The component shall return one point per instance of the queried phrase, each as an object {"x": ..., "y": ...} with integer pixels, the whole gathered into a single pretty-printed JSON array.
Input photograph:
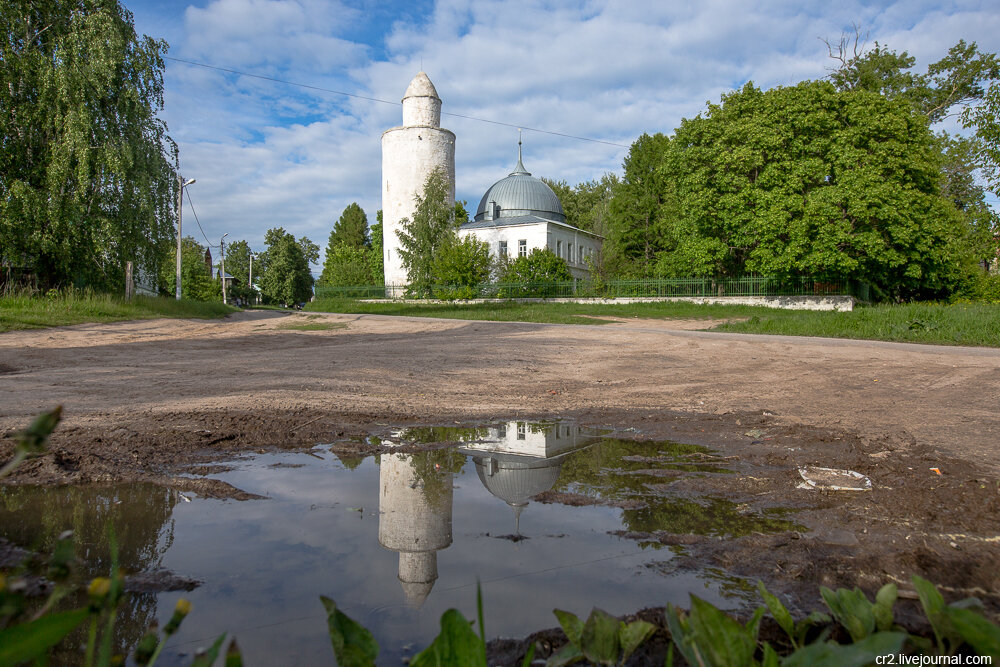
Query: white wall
[{"x": 540, "y": 235}]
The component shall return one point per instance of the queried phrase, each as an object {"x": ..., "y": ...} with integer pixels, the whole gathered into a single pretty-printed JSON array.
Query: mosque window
[{"x": 522, "y": 247}]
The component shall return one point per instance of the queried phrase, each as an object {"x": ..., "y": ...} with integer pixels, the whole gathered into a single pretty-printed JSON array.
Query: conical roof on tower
[{"x": 421, "y": 86}]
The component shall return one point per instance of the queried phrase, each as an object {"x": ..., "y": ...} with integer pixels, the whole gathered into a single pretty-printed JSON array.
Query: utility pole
[
  {"x": 222, "y": 246},
  {"x": 250, "y": 282},
  {"x": 180, "y": 205}
]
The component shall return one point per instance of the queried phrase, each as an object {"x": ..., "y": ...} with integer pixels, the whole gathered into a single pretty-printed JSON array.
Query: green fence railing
[{"x": 674, "y": 287}]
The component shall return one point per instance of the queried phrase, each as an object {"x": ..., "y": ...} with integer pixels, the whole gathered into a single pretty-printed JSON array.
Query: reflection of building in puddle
[
  {"x": 414, "y": 518},
  {"x": 514, "y": 461},
  {"x": 521, "y": 459}
]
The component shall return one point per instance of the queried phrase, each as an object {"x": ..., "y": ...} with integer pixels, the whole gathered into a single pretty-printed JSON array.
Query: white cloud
[{"x": 268, "y": 154}]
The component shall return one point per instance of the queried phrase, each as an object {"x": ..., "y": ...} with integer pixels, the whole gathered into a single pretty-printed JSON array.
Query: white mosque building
[{"x": 516, "y": 214}]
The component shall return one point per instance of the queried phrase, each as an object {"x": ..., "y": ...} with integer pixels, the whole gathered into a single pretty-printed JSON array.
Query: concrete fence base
[{"x": 811, "y": 302}]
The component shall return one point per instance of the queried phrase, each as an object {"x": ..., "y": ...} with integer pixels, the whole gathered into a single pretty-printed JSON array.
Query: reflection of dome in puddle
[
  {"x": 412, "y": 523},
  {"x": 516, "y": 479}
]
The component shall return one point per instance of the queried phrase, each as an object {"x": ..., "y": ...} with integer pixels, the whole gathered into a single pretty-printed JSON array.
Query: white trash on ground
[{"x": 831, "y": 479}]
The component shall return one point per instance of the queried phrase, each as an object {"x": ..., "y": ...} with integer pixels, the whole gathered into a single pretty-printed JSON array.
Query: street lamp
[
  {"x": 181, "y": 184},
  {"x": 222, "y": 247},
  {"x": 250, "y": 282}
]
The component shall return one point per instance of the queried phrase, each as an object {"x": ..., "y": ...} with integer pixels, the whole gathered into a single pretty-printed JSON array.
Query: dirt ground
[{"x": 142, "y": 398}]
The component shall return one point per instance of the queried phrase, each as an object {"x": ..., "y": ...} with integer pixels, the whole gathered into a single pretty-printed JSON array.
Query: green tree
[
  {"x": 460, "y": 265},
  {"x": 541, "y": 265},
  {"x": 376, "y": 258},
  {"x": 238, "y": 261},
  {"x": 346, "y": 266},
  {"x": 309, "y": 250},
  {"x": 197, "y": 282},
  {"x": 286, "y": 278},
  {"x": 351, "y": 229},
  {"x": 955, "y": 80},
  {"x": 86, "y": 176},
  {"x": 984, "y": 119},
  {"x": 809, "y": 180},
  {"x": 586, "y": 204},
  {"x": 433, "y": 224},
  {"x": 636, "y": 208}
]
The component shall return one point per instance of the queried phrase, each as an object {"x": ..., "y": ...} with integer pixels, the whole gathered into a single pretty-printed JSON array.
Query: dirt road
[{"x": 142, "y": 397}]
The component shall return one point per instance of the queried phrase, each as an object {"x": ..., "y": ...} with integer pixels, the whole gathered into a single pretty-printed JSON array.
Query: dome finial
[{"x": 519, "y": 169}]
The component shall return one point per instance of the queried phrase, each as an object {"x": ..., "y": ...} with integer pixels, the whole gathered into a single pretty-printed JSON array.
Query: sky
[{"x": 267, "y": 154}]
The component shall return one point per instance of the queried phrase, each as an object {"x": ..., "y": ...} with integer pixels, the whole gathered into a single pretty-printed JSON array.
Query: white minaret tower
[{"x": 409, "y": 154}]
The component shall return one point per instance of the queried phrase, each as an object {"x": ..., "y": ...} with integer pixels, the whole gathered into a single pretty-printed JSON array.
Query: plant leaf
[
  {"x": 779, "y": 612},
  {"x": 632, "y": 635},
  {"x": 353, "y": 644},
  {"x": 859, "y": 654},
  {"x": 208, "y": 659},
  {"x": 567, "y": 655},
  {"x": 680, "y": 633},
  {"x": 27, "y": 641},
  {"x": 976, "y": 630},
  {"x": 457, "y": 644},
  {"x": 885, "y": 600},
  {"x": 933, "y": 604},
  {"x": 770, "y": 657},
  {"x": 529, "y": 656},
  {"x": 571, "y": 625},
  {"x": 852, "y": 610},
  {"x": 599, "y": 640},
  {"x": 718, "y": 638}
]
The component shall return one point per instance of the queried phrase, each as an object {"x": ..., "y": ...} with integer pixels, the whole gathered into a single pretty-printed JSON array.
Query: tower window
[{"x": 522, "y": 247}]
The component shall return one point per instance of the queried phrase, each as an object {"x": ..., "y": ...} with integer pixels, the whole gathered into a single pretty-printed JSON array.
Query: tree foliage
[
  {"x": 586, "y": 204},
  {"x": 86, "y": 182},
  {"x": 347, "y": 265},
  {"x": 197, "y": 282},
  {"x": 377, "y": 265},
  {"x": 639, "y": 206},
  {"x": 809, "y": 180},
  {"x": 432, "y": 226},
  {"x": 351, "y": 229},
  {"x": 541, "y": 265},
  {"x": 238, "y": 262},
  {"x": 462, "y": 264},
  {"x": 286, "y": 278}
]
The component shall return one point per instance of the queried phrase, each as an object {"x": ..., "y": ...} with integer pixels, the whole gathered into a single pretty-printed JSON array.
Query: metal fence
[{"x": 580, "y": 288}]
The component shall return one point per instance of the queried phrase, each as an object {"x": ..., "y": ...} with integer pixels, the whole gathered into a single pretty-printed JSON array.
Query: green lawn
[
  {"x": 957, "y": 324},
  {"x": 34, "y": 312},
  {"x": 954, "y": 324}
]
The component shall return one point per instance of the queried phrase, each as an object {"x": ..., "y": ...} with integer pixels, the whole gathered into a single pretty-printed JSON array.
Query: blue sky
[{"x": 267, "y": 154}]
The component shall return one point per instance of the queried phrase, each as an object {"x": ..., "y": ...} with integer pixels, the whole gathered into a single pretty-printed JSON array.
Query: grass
[
  {"x": 312, "y": 326},
  {"x": 543, "y": 312},
  {"x": 942, "y": 324},
  {"x": 26, "y": 311}
]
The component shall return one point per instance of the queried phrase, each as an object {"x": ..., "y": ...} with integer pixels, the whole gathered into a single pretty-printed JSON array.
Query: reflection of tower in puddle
[
  {"x": 414, "y": 519},
  {"x": 522, "y": 460}
]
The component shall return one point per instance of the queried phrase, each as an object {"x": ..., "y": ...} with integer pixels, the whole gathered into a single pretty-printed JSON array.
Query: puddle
[{"x": 398, "y": 539}]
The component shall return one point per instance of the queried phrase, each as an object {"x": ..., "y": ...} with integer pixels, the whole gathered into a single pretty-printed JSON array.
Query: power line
[
  {"x": 381, "y": 101},
  {"x": 191, "y": 203}
]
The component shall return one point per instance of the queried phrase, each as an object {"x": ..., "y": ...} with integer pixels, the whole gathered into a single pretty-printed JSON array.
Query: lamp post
[
  {"x": 181, "y": 184},
  {"x": 250, "y": 282},
  {"x": 222, "y": 246}
]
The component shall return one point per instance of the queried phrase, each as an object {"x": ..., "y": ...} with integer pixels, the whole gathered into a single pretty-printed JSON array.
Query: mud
[{"x": 162, "y": 400}]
